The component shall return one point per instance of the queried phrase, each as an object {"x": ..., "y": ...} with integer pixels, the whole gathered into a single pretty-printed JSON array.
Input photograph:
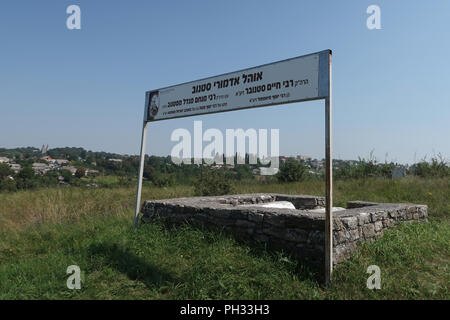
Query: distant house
[
  {"x": 71, "y": 169},
  {"x": 40, "y": 168},
  {"x": 304, "y": 158},
  {"x": 4, "y": 160},
  {"x": 91, "y": 172},
  {"x": 47, "y": 158},
  {"x": 317, "y": 164},
  {"x": 61, "y": 161},
  {"x": 115, "y": 160}
]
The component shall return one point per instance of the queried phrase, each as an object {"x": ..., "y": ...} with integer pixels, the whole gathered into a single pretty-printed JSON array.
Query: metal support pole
[
  {"x": 141, "y": 172},
  {"x": 329, "y": 186}
]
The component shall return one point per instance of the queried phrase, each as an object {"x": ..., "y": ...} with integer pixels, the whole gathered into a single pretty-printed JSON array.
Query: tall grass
[{"x": 44, "y": 231}]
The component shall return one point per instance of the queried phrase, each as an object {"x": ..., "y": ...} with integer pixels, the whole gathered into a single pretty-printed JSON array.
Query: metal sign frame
[{"x": 324, "y": 92}]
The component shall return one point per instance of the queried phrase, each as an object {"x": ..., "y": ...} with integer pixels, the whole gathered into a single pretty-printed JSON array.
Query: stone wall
[{"x": 299, "y": 231}]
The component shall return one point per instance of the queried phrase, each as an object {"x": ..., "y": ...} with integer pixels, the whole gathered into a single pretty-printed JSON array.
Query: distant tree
[
  {"x": 6, "y": 184},
  {"x": 163, "y": 180},
  {"x": 66, "y": 174},
  {"x": 291, "y": 170},
  {"x": 5, "y": 171},
  {"x": 27, "y": 173},
  {"x": 26, "y": 179},
  {"x": 438, "y": 167},
  {"x": 148, "y": 172},
  {"x": 243, "y": 171},
  {"x": 80, "y": 173}
]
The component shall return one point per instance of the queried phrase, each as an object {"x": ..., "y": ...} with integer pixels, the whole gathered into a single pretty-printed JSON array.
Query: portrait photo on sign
[{"x": 153, "y": 105}]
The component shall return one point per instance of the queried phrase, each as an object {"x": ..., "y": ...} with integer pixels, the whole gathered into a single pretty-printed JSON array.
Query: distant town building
[
  {"x": 47, "y": 158},
  {"x": 91, "y": 172},
  {"x": 40, "y": 168},
  {"x": 4, "y": 160},
  {"x": 115, "y": 160},
  {"x": 71, "y": 169},
  {"x": 304, "y": 158},
  {"x": 317, "y": 164},
  {"x": 61, "y": 161}
]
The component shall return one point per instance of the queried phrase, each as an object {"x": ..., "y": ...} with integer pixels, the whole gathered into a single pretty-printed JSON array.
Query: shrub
[
  {"x": 364, "y": 168},
  {"x": 6, "y": 183},
  {"x": 125, "y": 181},
  {"x": 291, "y": 170},
  {"x": 26, "y": 179},
  {"x": 243, "y": 171},
  {"x": 80, "y": 173},
  {"x": 5, "y": 171},
  {"x": 163, "y": 180},
  {"x": 436, "y": 168},
  {"x": 66, "y": 174},
  {"x": 27, "y": 173},
  {"x": 213, "y": 182}
]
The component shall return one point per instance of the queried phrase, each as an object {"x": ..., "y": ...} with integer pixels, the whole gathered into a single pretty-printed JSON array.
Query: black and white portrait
[{"x": 153, "y": 105}]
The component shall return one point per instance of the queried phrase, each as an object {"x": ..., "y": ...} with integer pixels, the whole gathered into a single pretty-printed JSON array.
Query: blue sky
[{"x": 86, "y": 87}]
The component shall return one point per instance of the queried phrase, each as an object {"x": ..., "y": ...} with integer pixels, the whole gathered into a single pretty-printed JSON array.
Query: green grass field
[{"x": 45, "y": 231}]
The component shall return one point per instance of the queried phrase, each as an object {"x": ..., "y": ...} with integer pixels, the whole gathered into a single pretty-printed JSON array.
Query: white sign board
[{"x": 293, "y": 80}]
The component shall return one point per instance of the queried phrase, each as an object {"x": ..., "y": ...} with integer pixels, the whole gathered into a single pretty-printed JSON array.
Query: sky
[{"x": 86, "y": 88}]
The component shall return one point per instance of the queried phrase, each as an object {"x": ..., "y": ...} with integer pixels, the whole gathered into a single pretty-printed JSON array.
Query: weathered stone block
[
  {"x": 354, "y": 234},
  {"x": 255, "y": 217},
  {"x": 368, "y": 231},
  {"x": 350, "y": 222},
  {"x": 363, "y": 218},
  {"x": 377, "y": 215},
  {"x": 378, "y": 226},
  {"x": 274, "y": 220},
  {"x": 244, "y": 223},
  {"x": 296, "y": 235},
  {"x": 337, "y": 224},
  {"x": 388, "y": 223},
  {"x": 274, "y": 232}
]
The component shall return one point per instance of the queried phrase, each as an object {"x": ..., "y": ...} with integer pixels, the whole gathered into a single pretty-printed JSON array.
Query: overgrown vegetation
[
  {"x": 212, "y": 182},
  {"x": 364, "y": 169},
  {"x": 438, "y": 167},
  {"x": 46, "y": 230},
  {"x": 291, "y": 170},
  {"x": 121, "y": 170}
]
